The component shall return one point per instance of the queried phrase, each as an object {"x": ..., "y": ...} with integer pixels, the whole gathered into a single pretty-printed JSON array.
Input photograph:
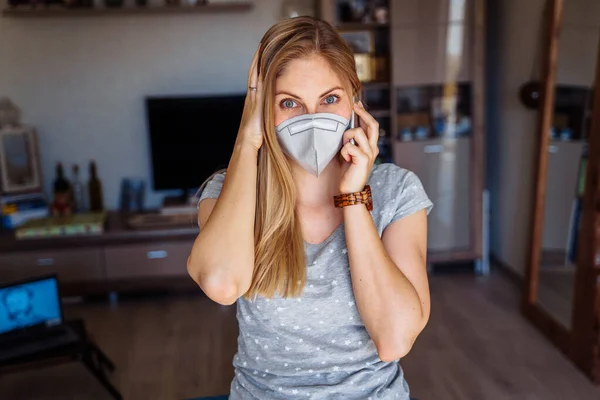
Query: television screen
[{"x": 191, "y": 137}]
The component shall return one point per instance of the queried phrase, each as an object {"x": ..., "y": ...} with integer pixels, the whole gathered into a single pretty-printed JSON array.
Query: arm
[
  {"x": 222, "y": 257},
  {"x": 389, "y": 278}
]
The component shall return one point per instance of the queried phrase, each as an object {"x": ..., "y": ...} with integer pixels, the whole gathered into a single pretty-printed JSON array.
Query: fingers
[
  {"x": 352, "y": 153},
  {"x": 359, "y": 136},
  {"x": 368, "y": 123}
]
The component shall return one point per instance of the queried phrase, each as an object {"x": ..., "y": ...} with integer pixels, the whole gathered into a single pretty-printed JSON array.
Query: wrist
[
  {"x": 351, "y": 189},
  {"x": 358, "y": 197},
  {"x": 245, "y": 148}
]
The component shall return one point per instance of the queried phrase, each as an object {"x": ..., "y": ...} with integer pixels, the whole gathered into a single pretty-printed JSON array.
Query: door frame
[{"x": 581, "y": 342}]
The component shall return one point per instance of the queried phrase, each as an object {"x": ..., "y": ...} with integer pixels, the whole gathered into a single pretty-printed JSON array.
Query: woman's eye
[
  {"x": 289, "y": 103},
  {"x": 330, "y": 99}
]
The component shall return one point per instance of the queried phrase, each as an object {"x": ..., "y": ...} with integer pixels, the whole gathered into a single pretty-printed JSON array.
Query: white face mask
[{"x": 312, "y": 140}]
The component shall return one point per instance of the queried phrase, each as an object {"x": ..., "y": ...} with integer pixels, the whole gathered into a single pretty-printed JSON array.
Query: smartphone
[{"x": 352, "y": 125}]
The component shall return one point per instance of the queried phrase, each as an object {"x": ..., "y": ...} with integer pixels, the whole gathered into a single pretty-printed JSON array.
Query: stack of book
[
  {"x": 17, "y": 209},
  {"x": 72, "y": 225}
]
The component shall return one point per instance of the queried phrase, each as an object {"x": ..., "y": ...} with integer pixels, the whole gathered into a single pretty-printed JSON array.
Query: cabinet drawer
[
  {"x": 69, "y": 265},
  {"x": 147, "y": 260}
]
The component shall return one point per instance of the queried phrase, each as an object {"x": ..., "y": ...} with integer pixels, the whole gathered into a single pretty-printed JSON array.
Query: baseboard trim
[{"x": 507, "y": 271}]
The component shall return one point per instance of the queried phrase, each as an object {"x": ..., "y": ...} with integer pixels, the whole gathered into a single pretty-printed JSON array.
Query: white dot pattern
[{"x": 319, "y": 338}]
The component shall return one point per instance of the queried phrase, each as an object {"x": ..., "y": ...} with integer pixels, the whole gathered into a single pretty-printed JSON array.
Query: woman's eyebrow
[
  {"x": 288, "y": 94},
  {"x": 331, "y": 90},
  {"x": 321, "y": 95}
]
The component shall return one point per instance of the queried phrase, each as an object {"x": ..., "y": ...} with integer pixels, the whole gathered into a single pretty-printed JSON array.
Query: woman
[{"x": 329, "y": 298}]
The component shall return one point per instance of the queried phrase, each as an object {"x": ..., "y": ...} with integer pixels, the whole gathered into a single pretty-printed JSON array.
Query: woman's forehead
[{"x": 307, "y": 77}]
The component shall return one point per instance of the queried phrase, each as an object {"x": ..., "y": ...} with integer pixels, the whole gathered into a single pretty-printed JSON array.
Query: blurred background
[{"x": 114, "y": 112}]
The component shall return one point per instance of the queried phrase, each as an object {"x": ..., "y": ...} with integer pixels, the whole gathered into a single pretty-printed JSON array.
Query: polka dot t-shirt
[{"x": 316, "y": 346}]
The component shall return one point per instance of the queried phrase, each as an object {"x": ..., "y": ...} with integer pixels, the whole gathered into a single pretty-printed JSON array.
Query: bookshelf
[{"x": 429, "y": 101}]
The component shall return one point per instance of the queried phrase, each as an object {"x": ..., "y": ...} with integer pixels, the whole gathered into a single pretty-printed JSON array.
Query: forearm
[
  {"x": 222, "y": 257},
  {"x": 387, "y": 301}
]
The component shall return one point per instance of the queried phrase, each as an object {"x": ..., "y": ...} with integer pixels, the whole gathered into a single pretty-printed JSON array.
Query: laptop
[{"x": 31, "y": 318}]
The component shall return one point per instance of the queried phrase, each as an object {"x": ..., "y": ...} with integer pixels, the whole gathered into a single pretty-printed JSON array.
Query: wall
[
  {"x": 81, "y": 81},
  {"x": 514, "y": 144}
]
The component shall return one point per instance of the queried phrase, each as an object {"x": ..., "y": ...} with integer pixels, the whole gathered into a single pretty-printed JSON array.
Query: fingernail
[{"x": 361, "y": 104}]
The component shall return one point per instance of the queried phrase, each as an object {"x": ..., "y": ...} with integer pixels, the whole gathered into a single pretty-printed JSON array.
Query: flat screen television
[{"x": 191, "y": 138}]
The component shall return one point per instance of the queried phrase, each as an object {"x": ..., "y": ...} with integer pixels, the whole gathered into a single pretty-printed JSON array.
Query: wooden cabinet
[
  {"x": 443, "y": 167},
  {"x": 73, "y": 265},
  {"x": 120, "y": 260},
  {"x": 147, "y": 260},
  {"x": 436, "y": 56}
]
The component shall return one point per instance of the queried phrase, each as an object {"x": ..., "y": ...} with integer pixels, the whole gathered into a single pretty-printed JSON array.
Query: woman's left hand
[{"x": 359, "y": 157}]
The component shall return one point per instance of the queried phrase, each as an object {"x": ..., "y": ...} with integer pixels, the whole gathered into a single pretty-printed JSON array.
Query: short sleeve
[
  {"x": 211, "y": 188},
  {"x": 410, "y": 197}
]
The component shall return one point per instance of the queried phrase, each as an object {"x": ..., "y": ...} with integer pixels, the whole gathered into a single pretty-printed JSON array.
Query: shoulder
[
  {"x": 211, "y": 188},
  {"x": 390, "y": 177},
  {"x": 397, "y": 192}
]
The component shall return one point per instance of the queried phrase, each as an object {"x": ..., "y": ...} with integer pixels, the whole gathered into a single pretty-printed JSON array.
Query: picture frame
[
  {"x": 19, "y": 160},
  {"x": 364, "y": 67},
  {"x": 361, "y": 42}
]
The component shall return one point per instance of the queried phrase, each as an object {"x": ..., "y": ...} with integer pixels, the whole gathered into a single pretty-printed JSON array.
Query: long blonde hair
[{"x": 279, "y": 246}]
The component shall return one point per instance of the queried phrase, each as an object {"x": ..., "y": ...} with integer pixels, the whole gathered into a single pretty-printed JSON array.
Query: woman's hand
[
  {"x": 359, "y": 157},
  {"x": 251, "y": 126}
]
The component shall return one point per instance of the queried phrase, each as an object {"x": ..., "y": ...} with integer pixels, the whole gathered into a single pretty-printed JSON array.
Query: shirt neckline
[{"x": 328, "y": 239}]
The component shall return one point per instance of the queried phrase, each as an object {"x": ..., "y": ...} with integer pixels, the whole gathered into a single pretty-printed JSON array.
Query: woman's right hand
[{"x": 251, "y": 127}]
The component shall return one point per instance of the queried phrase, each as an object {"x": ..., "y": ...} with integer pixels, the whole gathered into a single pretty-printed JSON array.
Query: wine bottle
[
  {"x": 61, "y": 204},
  {"x": 61, "y": 185},
  {"x": 78, "y": 195},
  {"x": 95, "y": 189}
]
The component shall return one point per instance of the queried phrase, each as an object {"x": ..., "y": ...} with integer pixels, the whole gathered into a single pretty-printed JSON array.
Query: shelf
[
  {"x": 576, "y": 140},
  {"x": 381, "y": 113},
  {"x": 440, "y": 139},
  {"x": 48, "y": 12},
  {"x": 375, "y": 85},
  {"x": 359, "y": 26}
]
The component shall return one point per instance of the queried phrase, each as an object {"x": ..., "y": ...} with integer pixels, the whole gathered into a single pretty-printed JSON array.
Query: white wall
[
  {"x": 81, "y": 81},
  {"x": 515, "y": 151}
]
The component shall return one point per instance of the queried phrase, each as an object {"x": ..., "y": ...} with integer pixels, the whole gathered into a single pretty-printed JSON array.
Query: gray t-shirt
[{"x": 316, "y": 346}]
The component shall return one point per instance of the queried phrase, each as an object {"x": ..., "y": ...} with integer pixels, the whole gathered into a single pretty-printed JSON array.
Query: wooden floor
[
  {"x": 477, "y": 346},
  {"x": 556, "y": 294}
]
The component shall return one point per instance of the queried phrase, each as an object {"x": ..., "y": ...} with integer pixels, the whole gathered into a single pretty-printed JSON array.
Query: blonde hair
[{"x": 279, "y": 246}]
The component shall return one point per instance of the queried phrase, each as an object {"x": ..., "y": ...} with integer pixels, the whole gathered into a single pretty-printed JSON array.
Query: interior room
[{"x": 117, "y": 116}]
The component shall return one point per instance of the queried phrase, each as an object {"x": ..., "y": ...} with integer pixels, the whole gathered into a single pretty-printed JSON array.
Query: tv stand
[
  {"x": 178, "y": 201},
  {"x": 121, "y": 259},
  {"x": 162, "y": 221}
]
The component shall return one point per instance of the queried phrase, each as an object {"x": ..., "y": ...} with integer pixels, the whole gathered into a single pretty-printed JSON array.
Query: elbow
[
  {"x": 394, "y": 349},
  {"x": 398, "y": 341},
  {"x": 217, "y": 287},
  {"x": 221, "y": 291}
]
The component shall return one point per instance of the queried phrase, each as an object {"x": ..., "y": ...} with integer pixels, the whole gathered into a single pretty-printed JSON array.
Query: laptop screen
[{"x": 30, "y": 303}]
